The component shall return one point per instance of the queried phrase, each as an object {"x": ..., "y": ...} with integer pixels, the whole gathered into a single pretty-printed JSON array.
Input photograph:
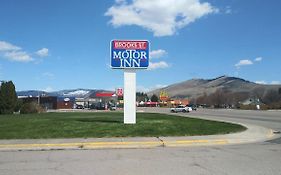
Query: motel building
[{"x": 50, "y": 102}]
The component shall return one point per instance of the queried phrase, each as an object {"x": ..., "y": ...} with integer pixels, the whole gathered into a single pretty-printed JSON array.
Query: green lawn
[{"x": 106, "y": 124}]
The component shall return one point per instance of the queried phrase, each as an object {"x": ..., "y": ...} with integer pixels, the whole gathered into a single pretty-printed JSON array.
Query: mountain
[
  {"x": 31, "y": 93},
  {"x": 195, "y": 88},
  {"x": 77, "y": 93}
]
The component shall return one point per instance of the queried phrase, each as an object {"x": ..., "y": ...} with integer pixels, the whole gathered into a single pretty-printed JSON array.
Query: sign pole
[{"x": 129, "y": 96}]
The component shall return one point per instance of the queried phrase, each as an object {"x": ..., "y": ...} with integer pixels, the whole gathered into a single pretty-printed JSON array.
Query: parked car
[
  {"x": 100, "y": 106},
  {"x": 181, "y": 108},
  {"x": 97, "y": 106},
  {"x": 113, "y": 108},
  {"x": 79, "y": 107},
  {"x": 193, "y": 107}
]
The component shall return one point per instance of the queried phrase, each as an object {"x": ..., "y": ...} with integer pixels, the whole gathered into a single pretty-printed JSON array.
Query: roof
[{"x": 104, "y": 94}]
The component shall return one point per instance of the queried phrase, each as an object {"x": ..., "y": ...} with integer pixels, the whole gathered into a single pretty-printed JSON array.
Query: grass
[{"x": 106, "y": 124}]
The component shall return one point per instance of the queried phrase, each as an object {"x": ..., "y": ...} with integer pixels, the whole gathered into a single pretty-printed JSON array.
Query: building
[
  {"x": 172, "y": 103},
  {"x": 51, "y": 102},
  {"x": 98, "y": 100},
  {"x": 251, "y": 101}
]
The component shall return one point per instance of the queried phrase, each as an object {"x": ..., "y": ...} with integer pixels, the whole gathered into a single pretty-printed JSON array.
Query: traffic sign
[{"x": 129, "y": 54}]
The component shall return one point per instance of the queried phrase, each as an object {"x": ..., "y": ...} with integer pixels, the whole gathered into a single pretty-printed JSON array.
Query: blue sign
[{"x": 129, "y": 54}]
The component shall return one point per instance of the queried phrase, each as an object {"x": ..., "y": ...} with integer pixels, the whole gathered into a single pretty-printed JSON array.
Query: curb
[
  {"x": 112, "y": 145},
  {"x": 135, "y": 143}
]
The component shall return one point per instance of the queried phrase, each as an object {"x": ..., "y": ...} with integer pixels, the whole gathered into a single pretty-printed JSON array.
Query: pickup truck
[{"x": 181, "y": 108}]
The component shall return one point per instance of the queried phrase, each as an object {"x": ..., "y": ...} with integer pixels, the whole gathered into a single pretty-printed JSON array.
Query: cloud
[
  {"x": 48, "y": 89},
  {"x": 272, "y": 82},
  {"x": 157, "y": 53},
  {"x": 43, "y": 52},
  {"x": 275, "y": 82},
  {"x": 247, "y": 62},
  {"x": 158, "y": 65},
  {"x": 4, "y": 46},
  {"x": 20, "y": 56},
  {"x": 261, "y": 82},
  {"x": 243, "y": 63},
  {"x": 258, "y": 59},
  {"x": 162, "y": 17},
  {"x": 147, "y": 89},
  {"x": 16, "y": 53}
]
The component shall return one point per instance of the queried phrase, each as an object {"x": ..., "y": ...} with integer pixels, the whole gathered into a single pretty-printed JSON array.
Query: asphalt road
[
  {"x": 268, "y": 119},
  {"x": 249, "y": 159}
]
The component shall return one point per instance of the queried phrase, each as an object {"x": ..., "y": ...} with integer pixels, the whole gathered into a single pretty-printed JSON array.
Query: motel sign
[
  {"x": 132, "y": 54},
  {"x": 129, "y": 55}
]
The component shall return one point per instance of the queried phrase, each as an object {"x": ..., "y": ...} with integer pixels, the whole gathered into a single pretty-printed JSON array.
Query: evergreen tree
[
  {"x": 8, "y": 97},
  {"x": 154, "y": 98}
]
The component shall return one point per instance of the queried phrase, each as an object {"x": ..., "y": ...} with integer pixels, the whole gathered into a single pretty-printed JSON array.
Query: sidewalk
[{"x": 252, "y": 134}]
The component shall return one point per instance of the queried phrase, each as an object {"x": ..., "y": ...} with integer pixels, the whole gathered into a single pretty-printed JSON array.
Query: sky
[{"x": 65, "y": 44}]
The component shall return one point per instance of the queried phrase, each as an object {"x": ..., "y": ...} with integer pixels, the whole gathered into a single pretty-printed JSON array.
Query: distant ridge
[
  {"x": 188, "y": 89},
  {"x": 195, "y": 88},
  {"x": 77, "y": 93}
]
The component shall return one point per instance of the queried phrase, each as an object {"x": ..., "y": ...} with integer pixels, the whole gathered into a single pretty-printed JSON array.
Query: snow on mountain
[{"x": 76, "y": 93}]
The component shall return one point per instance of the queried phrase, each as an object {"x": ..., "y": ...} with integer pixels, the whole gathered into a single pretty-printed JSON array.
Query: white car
[{"x": 181, "y": 108}]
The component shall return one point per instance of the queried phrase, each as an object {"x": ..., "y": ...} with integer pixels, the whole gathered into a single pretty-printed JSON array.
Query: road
[
  {"x": 249, "y": 159},
  {"x": 268, "y": 119}
]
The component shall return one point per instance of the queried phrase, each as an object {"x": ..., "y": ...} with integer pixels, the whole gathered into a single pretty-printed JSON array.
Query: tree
[
  {"x": 272, "y": 97},
  {"x": 154, "y": 98},
  {"x": 218, "y": 98},
  {"x": 141, "y": 96},
  {"x": 8, "y": 97},
  {"x": 202, "y": 99},
  {"x": 258, "y": 93}
]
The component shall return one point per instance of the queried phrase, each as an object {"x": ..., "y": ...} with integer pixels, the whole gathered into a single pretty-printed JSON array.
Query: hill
[{"x": 195, "y": 88}]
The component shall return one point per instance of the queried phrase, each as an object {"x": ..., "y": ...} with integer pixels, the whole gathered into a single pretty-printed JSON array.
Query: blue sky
[{"x": 64, "y": 44}]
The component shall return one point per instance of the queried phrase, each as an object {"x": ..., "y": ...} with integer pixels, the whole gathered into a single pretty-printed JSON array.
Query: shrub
[
  {"x": 19, "y": 105},
  {"x": 31, "y": 108}
]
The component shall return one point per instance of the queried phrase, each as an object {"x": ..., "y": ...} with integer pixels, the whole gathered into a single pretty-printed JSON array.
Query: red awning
[{"x": 106, "y": 94}]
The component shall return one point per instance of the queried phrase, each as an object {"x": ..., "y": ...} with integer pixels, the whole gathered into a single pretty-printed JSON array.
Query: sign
[
  {"x": 66, "y": 99},
  {"x": 119, "y": 92},
  {"x": 163, "y": 96},
  {"x": 128, "y": 54}
]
